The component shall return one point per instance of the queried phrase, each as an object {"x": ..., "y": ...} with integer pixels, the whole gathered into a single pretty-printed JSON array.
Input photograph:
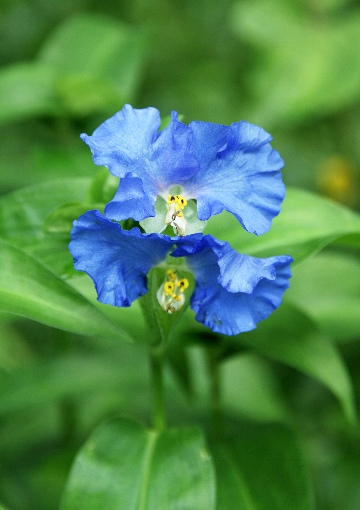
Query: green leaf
[
  {"x": 126, "y": 467},
  {"x": 306, "y": 224},
  {"x": 327, "y": 288},
  {"x": 130, "y": 319},
  {"x": 291, "y": 337},
  {"x": 23, "y": 213},
  {"x": 249, "y": 387},
  {"x": 262, "y": 468},
  {"x": 29, "y": 289},
  {"x": 60, "y": 220},
  {"x": 26, "y": 90}
]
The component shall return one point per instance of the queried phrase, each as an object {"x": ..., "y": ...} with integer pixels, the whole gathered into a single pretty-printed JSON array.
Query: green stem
[
  {"x": 68, "y": 419},
  {"x": 156, "y": 365},
  {"x": 215, "y": 393}
]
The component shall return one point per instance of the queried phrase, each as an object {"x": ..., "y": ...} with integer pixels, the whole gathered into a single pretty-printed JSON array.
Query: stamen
[
  {"x": 171, "y": 275},
  {"x": 171, "y": 293},
  {"x": 174, "y": 215},
  {"x": 168, "y": 288},
  {"x": 183, "y": 284}
]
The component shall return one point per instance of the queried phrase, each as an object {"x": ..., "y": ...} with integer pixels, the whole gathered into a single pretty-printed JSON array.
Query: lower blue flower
[{"x": 233, "y": 292}]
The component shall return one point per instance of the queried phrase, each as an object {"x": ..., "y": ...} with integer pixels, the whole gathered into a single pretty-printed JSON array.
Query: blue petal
[
  {"x": 173, "y": 155},
  {"x": 121, "y": 139},
  {"x": 231, "y": 303},
  {"x": 131, "y": 146},
  {"x": 130, "y": 201},
  {"x": 242, "y": 175},
  {"x": 117, "y": 260},
  {"x": 207, "y": 140}
]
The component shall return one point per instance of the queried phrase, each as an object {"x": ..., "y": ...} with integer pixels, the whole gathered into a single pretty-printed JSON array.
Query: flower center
[
  {"x": 171, "y": 293},
  {"x": 175, "y": 215},
  {"x": 175, "y": 211}
]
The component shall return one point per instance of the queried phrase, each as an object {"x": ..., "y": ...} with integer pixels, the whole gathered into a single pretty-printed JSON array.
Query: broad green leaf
[
  {"x": 29, "y": 289},
  {"x": 306, "y": 224},
  {"x": 130, "y": 319},
  {"x": 327, "y": 288},
  {"x": 23, "y": 214},
  {"x": 60, "y": 220},
  {"x": 126, "y": 467},
  {"x": 262, "y": 468},
  {"x": 26, "y": 90},
  {"x": 291, "y": 337}
]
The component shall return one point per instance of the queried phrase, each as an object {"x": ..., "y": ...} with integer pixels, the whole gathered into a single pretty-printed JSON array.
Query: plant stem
[
  {"x": 156, "y": 365},
  {"x": 68, "y": 420},
  {"x": 215, "y": 393}
]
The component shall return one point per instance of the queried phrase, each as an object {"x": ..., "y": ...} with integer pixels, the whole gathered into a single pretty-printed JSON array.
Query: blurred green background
[{"x": 291, "y": 66}]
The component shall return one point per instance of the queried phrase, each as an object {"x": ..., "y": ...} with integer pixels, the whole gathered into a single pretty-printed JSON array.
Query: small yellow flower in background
[{"x": 337, "y": 179}]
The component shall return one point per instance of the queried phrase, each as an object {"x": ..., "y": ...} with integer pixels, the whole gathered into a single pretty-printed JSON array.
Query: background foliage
[{"x": 290, "y": 388}]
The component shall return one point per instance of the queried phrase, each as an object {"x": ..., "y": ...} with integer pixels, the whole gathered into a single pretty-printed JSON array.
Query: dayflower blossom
[
  {"x": 183, "y": 174},
  {"x": 233, "y": 292}
]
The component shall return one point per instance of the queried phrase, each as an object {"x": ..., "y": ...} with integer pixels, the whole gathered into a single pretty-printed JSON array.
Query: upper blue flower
[
  {"x": 221, "y": 167},
  {"x": 232, "y": 294}
]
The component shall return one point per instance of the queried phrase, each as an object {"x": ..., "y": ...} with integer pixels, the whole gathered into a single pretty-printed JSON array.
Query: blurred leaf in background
[{"x": 88, "y": 65}]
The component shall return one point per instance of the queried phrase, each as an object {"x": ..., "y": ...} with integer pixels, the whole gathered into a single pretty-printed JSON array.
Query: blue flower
[
  {"x": 232, "y": 294},
  {"x": 202, "y": 168}
]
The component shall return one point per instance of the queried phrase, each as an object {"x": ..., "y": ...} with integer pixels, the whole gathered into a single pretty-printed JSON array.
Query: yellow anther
[
  {"x": 183, "y": 284},
  {"x": 171, "y": 275},
  {"x": 176, "y": 297},
  {"x": 181, "y": 201},
  {"x": 171, "y": 199},
  {"x": 169, "y": 288}
]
